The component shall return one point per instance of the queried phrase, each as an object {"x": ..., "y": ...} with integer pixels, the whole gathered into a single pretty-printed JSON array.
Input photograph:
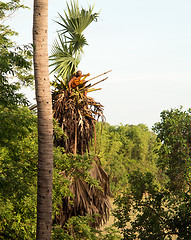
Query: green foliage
[
  {"x": 110, "y": 233},
  {"x": 146, "y": 212},
  {"x": 18, "y": 161},
  {"x": 76, "y": 228},
  {"x": 18, "y": 142},
  {"x": 175, "y": 152},
  {"x": 9, "y": 7},
  {"x": 58, "y": 131},
  {"x": 15, "y": 72},
  {"x": 123, "y": 149},
  {"x": 15, "y": 62},
  {"x": 18, "y": 164}
]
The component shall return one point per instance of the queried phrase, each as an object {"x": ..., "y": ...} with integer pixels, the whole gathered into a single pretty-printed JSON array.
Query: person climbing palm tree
[{"x": 77, "y": 80}]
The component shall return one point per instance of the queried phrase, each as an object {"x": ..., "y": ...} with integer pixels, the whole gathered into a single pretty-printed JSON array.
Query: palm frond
[
  {"x": 62, "y": 58},
  {"x": 70, "y": 110},
  {"x": 87, "y": 199},
  {"x": 74, "y": 22},
  {"x": 94, "y": 89}
]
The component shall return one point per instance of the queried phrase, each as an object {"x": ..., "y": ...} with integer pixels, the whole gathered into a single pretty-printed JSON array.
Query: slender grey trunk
[{"x": 45, "y": 128}]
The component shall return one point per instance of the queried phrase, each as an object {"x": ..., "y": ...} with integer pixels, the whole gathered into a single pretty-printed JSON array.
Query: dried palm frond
[
  {"x": 87, "y": 199},
  {"x": 76, "y": 115}
]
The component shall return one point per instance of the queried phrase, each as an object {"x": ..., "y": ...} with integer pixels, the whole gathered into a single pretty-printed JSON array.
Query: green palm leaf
[
  {"x": 62, "y": 58},
  {"x": 74, "y": 22},
  {"x": 67, "y": 49}
]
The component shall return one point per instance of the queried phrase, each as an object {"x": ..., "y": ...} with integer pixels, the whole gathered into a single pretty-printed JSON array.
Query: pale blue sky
[{"x": 146, "y": 43}]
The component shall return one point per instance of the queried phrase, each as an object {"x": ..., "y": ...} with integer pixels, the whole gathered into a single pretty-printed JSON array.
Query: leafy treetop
[{"x": 15, "y": 62}]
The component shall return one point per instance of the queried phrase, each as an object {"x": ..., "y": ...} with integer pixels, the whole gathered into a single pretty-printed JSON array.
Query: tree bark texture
[{"x": 45, "y": 125}]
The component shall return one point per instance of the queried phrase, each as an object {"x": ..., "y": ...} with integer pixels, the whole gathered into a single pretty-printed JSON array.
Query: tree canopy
[
  {"x": 161, "y": 209},
  {"x": 15, "y": 61}
]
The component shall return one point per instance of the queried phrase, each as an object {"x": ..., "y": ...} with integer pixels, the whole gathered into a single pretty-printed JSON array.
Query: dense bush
[{"x": 149, "y": 211}]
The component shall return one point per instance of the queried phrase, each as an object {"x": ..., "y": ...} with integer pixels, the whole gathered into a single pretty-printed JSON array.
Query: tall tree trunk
[{"x": 45, "y": 128}]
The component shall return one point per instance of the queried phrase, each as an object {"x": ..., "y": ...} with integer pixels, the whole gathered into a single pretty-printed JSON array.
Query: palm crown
[{"x": 67, "y": 49}]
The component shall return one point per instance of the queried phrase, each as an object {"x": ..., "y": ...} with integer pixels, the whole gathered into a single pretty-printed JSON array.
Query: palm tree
[
  {"x": 45, "y": 128},
  {"x": 77, "y": 114}
]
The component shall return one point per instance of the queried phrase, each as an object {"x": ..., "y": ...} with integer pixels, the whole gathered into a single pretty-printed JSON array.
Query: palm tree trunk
[{"x": 45, "y": 128}]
